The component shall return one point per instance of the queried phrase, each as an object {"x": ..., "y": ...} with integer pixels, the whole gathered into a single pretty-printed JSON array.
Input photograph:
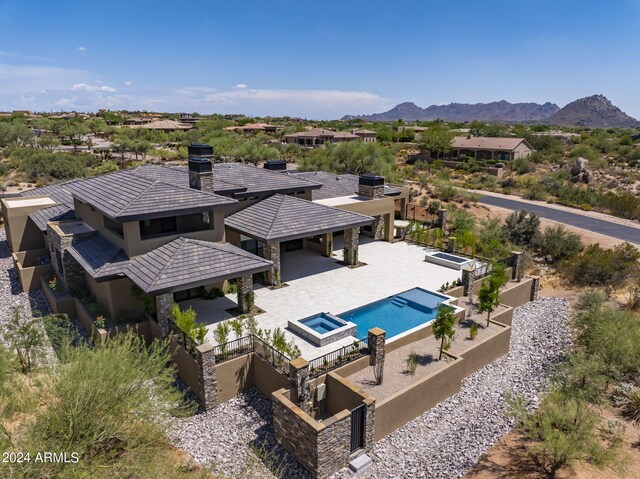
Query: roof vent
[{"x": 275, "y": 165}]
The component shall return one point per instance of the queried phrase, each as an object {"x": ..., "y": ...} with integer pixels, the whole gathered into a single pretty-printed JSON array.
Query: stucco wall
[
  {"x": 233, "y": 377},
  {"x": 22, "y": 233},
  {"x": 409, "y": 403},
  {"x": 187, "y": 368},
  {"x": 517, "y": 294},
  {"x": 486, "y": 351},
  {"x": 265, "y": 378},
  {"x": 29, "y": 272}
]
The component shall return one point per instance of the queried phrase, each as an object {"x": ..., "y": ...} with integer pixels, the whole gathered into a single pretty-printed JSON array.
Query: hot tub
[
  {"x": 448, "y": 260},
  {"x": 322, "y": 328}
]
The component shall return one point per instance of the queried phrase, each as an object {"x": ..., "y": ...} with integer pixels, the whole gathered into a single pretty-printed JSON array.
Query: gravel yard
[{"x": 442, "y": 443}]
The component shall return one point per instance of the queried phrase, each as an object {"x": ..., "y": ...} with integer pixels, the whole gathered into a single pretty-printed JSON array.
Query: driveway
[{"x": 577, "y": 220}]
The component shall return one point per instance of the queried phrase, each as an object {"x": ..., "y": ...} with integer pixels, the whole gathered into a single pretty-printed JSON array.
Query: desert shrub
[
  {"x": 609, "y": 268},
  {"x": 492, "y": 239},
  {"x": 25, "y": 335},
  {"x": 624, "y": 205},
  {"x": 536, "y": 192},
  {"x": 473, "y": 331},
  {"x": 554, "y": 180},
  {"x": 557, "y": 243},
  {"x": 221, "y": 332},
  {"x": 584, "y": 151},
  {"x": 562, "y": 431},
  {"x": 461, "y": 221},
  {"x": 237, "y": 324},
  {"x": 186, "y": 321},
  {"x": 41, "y": 164},
  {"x": 412, "y": 363},
  {"x": 522, "y": 166},
  {"x": 521, "y": 227},
  {"x": 581, "y": 376}
]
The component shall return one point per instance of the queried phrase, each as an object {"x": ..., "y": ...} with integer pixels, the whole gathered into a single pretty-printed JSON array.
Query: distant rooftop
[
  {"x": 489, "y": 143},
  {"x": 334, "y": 185}
]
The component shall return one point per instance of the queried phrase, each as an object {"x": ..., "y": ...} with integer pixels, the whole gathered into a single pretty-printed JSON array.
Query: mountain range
[{"x": 594, "y": 111}]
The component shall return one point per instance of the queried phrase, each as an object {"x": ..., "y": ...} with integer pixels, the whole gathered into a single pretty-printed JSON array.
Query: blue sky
[{"x": 314, "y": 59}]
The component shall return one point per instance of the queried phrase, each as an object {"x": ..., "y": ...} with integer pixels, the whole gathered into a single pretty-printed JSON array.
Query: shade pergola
[{"x": 284, "y": 218}]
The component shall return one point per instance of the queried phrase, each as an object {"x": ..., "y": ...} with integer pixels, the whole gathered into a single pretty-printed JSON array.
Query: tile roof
[
  {"x": 282, "y": 218},
  {"x": 125, "y": 196},
  {"x": 319, "y": 132},
  {"x": 99, "y": 257},
  {"x": 53, "y": 213},
  {"x": 489, "y": 143},
  {"x": 179, "y": 176},
  {"x": 187, "y": 263},
  {"x": 162, "y": 125},
  {"x": 334, "y": 186}
]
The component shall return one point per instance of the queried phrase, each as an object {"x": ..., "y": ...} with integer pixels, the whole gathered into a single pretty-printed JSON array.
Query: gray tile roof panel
[
  {"x": 283, "y": 218},
  {"x": 99, "y": 257},
  {"x": 259, "y": 180},
  {"x": 187, "y": 263},
  {"x": 126, "y": 196},
  {"x": 334, "y": 186},
  {"x": 53, "y": 213},
  {"x": 179, "y": 176}
]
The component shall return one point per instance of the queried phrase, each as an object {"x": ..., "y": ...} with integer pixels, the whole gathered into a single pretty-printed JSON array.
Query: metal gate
[{"x": 357, "y": 427}]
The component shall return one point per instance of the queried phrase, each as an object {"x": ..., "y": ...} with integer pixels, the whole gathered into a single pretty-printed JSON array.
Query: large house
[
  {"x": 489, "y": 148},
  {"x": 176, "y": 232},
  {"x": 318, "y": 137}
]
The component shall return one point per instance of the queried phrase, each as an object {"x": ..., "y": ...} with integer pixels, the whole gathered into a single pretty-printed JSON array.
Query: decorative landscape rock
[{"x": 580, "y": 172}]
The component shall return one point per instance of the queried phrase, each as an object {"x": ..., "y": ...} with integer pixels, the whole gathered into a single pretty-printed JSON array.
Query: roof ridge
[
  {"x": 275, "y": 216},
  {"x": 153, "y": 182},
  {"x": 182, "y": 240}
]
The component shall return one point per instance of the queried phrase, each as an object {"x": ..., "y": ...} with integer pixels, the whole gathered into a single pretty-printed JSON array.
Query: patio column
[
  {"x": 164, "y": 303},
  {"x": 350, "y": 251},
  {"x": 516, "y": 265},
  {"x": 206, "y": 361},
  {"x": 468, "y": 278},
  {"x": 378, "y": 227},
  {"x": 271, "y": 251},
  {"x": 299, "y": 376},
  {"x": 245, "y": 293},
  {"x": 327, "y": 245},
  {"x": 388, "y": 228},
  {"x": 376, "y": 345}
]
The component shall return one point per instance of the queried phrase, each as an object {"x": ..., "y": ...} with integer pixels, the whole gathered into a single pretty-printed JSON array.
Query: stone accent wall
[
  {"x": 245, "y": 293},
  {"x": 201, "y": 180},
  {"x": 271, "y": 252},
  {"x": 535, "y": 287},
  {"x": 299, "y": 375},
  {"x": 66, "y": 268},
  {"x": 376, "y": 344},
  {"x": 370, "y": 421},
  {"x": 334, "y": 445},
  {"x": 517, "y": 259},
  {"x": 164, "y": 302},
  {"x": 468, "y": 278},
  {"x": 374, "y": 192},
  {"x": 378, "y": 227},
  {"x": 206, "y": 360},
  {"x": 351, "y": 246},
  {"x": 442, "y": 219}
]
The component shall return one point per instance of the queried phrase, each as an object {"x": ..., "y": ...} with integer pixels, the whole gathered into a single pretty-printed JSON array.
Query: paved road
[{"x": 625, "y": 233}]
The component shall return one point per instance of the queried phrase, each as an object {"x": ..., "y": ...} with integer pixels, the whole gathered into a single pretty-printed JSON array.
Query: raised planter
[{"x": 448, "y": 260}]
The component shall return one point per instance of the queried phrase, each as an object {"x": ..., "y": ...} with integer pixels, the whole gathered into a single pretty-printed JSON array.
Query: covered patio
[
  {"x": 184, "y": 264},
  {"x": 281, "y": 219}
]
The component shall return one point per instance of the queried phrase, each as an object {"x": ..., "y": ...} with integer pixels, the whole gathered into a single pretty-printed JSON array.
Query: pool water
[
  {"x": 396, "y": 314},
  {"x": 321, "y": 323}
]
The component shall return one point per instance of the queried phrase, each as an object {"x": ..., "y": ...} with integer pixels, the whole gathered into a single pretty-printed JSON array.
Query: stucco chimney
[{"x": 371, "y": 186}]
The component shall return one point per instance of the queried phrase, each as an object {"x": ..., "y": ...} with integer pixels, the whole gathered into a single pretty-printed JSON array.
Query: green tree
[
  {"x": 437, "y": 139},
  {"x": 443, "y": 326},
  {"x": 521, "y": 227},
  {"x": 557, "y": 243},
  {"x": 489, "y": 294},
  {"x": 25, "y": 335}
]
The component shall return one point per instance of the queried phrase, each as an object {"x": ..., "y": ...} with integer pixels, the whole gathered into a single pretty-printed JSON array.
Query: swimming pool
[
  {"x": 396, "y": 314},
  {"x": 322, "y": 323},
  {"x": 322, "y": 328}
]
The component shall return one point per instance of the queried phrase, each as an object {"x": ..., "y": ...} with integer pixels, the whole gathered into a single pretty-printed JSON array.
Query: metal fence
[
  {"x": 271, "y": 355},
  {"x": 183, "y": 338},
  {"x": 337, "y": 358},
  {"x": 234, "y": 349}
]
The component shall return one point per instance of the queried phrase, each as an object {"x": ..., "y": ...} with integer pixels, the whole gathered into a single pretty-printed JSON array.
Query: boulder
[{"x": 580, "y": 172}]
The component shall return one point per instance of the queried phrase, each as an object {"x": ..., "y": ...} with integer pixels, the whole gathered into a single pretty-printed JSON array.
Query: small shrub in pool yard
[
  {"x": 412, "y": 363},
  {"x": 473, "y": 332}
]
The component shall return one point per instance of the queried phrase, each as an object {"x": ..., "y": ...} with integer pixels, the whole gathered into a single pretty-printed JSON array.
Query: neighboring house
[
  {"x": 255, "y": 128},
  {"x": 186, "y": 118},
  {"x": 368, "y": 136},
  {"x": 318, "y": 137},
  {"x": 164, "y": 125},
  {"x": 177, "y": 232},
  {"x": 489, "y": 148}
]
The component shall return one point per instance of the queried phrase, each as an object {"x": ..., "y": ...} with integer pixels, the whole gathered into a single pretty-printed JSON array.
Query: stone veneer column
[
  {"x": 201, "y": 180},
  {"x": 442, "y": 220},
  {"x": 299, "y": 376},
  {"x": 468, "y": 278},
  {"x": 164, "y": 302},
  {"x": 245, "y": 293},
  {"x": 516, "y": 264},
  {"x": 378, "y": 227},
  {"x": 376, "y": 344},
  {"x": 327, "y": 245},
  {"x": 271, "y": 252},
  {"x": 351, "y": 246},
  {"x": 206, "y": 361},
  {"x": 535, "y": 287},
  {"x": 65, "y": 266},
  {"x": 370, "y": 424}
]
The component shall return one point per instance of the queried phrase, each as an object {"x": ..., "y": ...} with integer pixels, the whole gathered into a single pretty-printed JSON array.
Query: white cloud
[
  {"x": 128, "y": 83},
  {"x": 87, "y": 87},
  {"x": 82, "y": 49},
  {"x": 240, "y": 86}
]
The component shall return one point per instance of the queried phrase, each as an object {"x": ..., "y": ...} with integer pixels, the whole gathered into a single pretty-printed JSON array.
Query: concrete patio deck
[{"x": 318, "y": 284}]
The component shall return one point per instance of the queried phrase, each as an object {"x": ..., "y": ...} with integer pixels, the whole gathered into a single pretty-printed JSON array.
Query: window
[
  {"x": 158, "y": 226},
  {"x": 113, "y": 226}
]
